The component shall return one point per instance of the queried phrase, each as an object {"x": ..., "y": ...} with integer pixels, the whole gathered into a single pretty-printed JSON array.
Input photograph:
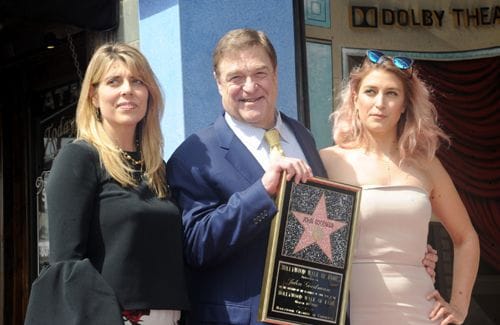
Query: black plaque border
[{"x": 274, "y": 258}]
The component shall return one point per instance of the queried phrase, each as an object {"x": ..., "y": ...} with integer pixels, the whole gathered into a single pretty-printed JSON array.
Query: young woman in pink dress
[{"x": 386, "y": 138}]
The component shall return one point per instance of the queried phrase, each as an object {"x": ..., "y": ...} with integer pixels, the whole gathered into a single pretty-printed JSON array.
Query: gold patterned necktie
[{"x": 272, "y": 137}]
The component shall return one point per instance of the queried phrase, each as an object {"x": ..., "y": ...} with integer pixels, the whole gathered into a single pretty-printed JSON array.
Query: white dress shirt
[{"x": 253, "y": 138}]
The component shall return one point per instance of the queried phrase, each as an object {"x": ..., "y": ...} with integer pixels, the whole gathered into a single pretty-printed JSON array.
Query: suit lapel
[
  {"x": 308, "y": 148},
  {"x": 237, "y": 154}
]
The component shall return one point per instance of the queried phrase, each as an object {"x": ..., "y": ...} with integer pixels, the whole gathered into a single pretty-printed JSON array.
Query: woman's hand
[{"x": 447, "y": 313}]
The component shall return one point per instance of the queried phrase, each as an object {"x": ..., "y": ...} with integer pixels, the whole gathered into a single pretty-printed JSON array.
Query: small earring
[{"x": 98, "y": 114}]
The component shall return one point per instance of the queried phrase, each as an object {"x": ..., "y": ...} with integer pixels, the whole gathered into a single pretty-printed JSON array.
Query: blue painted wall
[{"x": 178, "y": 37}]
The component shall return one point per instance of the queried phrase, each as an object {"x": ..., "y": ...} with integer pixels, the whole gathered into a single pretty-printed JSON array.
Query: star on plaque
[{"x": 317, "y": 228}]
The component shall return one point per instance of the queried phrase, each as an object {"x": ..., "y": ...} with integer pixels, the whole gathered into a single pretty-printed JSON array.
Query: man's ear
[{"x": 219, "y": 86}]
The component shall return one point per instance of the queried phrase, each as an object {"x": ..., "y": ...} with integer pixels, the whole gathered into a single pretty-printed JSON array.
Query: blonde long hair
[
  {"x": 419, "y": 135},
  {"x": 148, "y": 131}
]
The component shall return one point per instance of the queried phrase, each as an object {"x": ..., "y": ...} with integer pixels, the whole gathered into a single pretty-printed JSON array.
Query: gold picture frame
[{"x": 307, "y": 272}]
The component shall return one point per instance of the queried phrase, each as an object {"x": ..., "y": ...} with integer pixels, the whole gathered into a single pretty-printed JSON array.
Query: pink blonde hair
[{"x": 419, "y": 134}]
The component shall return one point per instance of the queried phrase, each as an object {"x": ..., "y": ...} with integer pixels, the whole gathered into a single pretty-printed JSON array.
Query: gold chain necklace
[{"x": 131, "y": 159}]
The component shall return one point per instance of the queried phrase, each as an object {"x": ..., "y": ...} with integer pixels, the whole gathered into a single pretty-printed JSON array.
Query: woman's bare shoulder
[
  {"x": 336, "y": 152},
  {"x": 338, "y": 162},
  {"x": 335, "y": 149}
]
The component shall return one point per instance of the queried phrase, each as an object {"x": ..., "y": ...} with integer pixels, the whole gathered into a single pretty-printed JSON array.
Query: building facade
[{"x": 455, "y": 43}]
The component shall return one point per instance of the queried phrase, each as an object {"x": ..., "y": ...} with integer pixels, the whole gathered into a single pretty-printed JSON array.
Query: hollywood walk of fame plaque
[{"x": 306, "y": 277}]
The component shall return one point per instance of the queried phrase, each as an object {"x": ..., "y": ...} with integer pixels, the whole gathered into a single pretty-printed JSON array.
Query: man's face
[{"x": 248, "y": 84}]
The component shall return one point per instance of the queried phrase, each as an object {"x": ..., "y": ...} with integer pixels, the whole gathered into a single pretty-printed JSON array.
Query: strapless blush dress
[{"x": 389, "y": 284}]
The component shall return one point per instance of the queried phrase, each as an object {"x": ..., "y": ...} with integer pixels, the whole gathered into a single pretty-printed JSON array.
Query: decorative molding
[{"x": 317, "y": 13}]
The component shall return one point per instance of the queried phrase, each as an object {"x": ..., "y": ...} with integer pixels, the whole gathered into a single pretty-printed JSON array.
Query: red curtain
[{"x": 467, "y": 96}]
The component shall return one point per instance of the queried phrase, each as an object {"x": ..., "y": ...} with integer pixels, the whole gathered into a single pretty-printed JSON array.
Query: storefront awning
[{"x": 97, "y": 15}]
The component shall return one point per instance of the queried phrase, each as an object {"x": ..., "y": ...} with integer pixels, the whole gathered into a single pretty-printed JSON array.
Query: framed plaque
[{"x": 306, "y": 278}]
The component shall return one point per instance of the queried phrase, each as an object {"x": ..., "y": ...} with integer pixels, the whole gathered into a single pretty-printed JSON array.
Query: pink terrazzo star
[{"x": 317, "y": 228}]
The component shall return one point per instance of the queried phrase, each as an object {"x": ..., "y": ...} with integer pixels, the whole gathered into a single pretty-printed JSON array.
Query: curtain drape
[{"x": 467, "y": 96}]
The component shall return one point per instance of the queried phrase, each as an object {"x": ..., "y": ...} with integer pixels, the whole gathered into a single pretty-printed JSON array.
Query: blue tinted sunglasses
[{"x": 400, "y": 62}]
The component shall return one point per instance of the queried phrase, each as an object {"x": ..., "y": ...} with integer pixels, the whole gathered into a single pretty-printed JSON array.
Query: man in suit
[{"x": 225, "y": 181}]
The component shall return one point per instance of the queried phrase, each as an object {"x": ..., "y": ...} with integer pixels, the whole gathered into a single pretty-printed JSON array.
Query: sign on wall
[{"x": 375, "y": 17}]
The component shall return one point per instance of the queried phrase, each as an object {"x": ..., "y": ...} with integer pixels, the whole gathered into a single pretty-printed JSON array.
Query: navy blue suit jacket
[{"x": 226, "y": 217}]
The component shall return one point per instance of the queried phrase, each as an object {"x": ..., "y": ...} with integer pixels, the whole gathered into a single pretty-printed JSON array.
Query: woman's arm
[
  {"x": 71, "y": 194},
  {"x": 449, "y": 208}
]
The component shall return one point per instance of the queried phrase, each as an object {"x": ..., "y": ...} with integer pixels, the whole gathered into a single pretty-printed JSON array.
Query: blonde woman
[
  {"x": 109, "y": 209},
  {"x": 386, "y": 139}
]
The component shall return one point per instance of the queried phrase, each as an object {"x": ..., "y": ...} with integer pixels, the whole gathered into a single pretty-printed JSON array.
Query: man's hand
[
  {"x": 429, "y": 261},
  {"x": 297, "y": 169}
]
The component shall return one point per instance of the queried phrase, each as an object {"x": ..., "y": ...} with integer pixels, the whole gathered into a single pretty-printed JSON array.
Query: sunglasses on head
[{"x": 400, "y": 62}]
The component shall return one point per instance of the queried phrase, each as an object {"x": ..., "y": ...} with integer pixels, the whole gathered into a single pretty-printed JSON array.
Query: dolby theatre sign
[{"x": 374, "y": 17}]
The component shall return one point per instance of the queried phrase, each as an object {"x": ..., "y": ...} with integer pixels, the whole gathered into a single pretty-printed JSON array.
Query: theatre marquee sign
[{"x": 374, "y": 17}]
